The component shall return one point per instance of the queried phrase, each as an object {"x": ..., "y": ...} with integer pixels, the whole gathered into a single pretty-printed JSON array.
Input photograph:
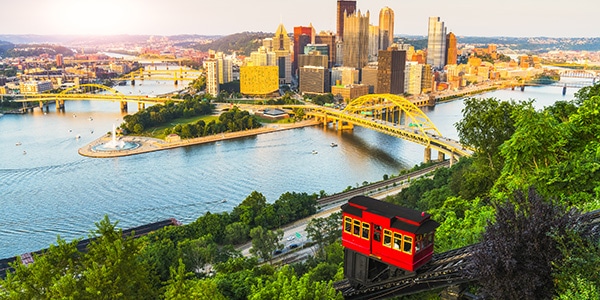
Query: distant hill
[
  {"x": 244, "y": 42},
  {"x": 5, "y": 46}
]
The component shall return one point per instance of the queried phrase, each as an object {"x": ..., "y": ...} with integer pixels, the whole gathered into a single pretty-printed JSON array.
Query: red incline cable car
[{"x": 382, "y": 240}]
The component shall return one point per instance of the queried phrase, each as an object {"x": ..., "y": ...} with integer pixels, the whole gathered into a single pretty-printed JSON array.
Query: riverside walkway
[{"x": 148, "y": 144}]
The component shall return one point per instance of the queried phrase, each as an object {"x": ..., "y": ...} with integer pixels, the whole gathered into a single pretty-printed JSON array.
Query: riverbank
[{"x": 148, "y": 144}]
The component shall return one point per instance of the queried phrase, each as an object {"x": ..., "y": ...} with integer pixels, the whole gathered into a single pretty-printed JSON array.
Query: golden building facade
[{"x": 259, "y": 80}]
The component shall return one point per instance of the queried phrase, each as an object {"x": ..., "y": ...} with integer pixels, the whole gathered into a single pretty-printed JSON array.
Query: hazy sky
[{"x": 516, "y": 18}]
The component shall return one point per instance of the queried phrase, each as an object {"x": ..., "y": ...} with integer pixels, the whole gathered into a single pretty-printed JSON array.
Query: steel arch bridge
[
  {"x": 90, "y": 92},
  {"x": 393, "y": 115}
]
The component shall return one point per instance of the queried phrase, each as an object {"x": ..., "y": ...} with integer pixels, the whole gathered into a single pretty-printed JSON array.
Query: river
[{"x": 48, "y": 189}]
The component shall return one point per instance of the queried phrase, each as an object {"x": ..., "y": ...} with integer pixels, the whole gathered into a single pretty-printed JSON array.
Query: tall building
[
  {"x": 59, "y": 60},
  {"x": 356, "y": 40},
  {"x": 386, "y": 28},
  {"x": 211, "y": 66},
  {"x": 427, "y": 79},
  {"x": 225, "y": 66},
  {"x": 281, "y": 40},
  {"x": 328, "y": 38},
  {"x": 283, "y": 54},
  {"x": 302, "y": 37},
  {"x": 259, "y": 80},
  {"x": 314, "y": 80},
  {"x": 262, "y": 57},
  {"x": 373, "y": 42},
  {"x": 436, "y": 43},
  {"x": 313, "y": 58},
  {"x": 414, "y": 73},
  {"x": 451, "y": 49},
  {"x": 344, "y": 76},
  {"x": 390, "y": 71},
  {"x": 344, "y": 8},
  {"x": 369, "y": 76}
]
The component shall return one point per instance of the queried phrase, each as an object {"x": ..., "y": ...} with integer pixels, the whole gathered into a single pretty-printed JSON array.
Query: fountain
[{"x": 115, "y": 145}]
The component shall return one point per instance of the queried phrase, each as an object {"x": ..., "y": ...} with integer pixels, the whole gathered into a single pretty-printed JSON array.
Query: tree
[
  {"x": 514, "y": 260},
  {"x": 52, "y": 275},
  {"x": 286, "y": 285},
  {"x": 587, "y": 92},
  {"x": 264, "y": 242},
  {"x": 577, "y": 275},
  {"x": 183, "y": 286},
  {"x": 324, "y": 231},
  {"x": 112, "y": 268},
  {"x": 486, "y": 124}
]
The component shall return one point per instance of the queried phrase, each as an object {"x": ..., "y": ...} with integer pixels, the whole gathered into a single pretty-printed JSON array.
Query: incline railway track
[{"x": 444, "y": 270}]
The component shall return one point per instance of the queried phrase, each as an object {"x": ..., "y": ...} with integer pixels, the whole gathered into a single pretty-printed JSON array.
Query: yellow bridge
[
  {"x": 393, "y": 115},
  {"x": 175, "y": 75},
  {"x": 95, "y": 92}
]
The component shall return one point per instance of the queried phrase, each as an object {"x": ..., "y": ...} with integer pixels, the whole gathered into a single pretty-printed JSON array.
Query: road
[{"x": 379, "y": 190}]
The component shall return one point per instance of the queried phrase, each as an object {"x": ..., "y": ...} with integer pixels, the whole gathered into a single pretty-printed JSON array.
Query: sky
[{"x": 513, "y": 18}]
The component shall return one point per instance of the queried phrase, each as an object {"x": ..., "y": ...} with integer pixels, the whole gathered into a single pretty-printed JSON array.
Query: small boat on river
[{"x": 334, "y": 145}]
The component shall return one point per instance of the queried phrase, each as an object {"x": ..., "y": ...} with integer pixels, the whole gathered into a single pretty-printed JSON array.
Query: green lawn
[{"x": 159, "y": 131}]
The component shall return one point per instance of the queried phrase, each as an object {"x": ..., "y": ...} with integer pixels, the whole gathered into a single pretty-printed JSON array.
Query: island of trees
[{"x": 520, "y": 198}]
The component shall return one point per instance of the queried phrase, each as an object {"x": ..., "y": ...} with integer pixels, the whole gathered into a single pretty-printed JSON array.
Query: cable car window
[
  {"x": 397, "y": 241},
  {"x": 387, "y": 238},
  {"x": 365, "y": 230},
  {"x": 377, "y": 234},
  {"x": 356, "y": 230},
  {"x": 348, "y": 224},
  {"x": 407, "y": 244}
]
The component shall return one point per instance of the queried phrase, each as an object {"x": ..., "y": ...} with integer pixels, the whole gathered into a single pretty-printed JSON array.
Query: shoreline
[{"x": 148, "y": 144}]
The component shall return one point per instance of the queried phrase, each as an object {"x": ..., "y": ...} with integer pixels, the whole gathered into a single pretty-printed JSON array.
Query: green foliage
[
  {"x": 286, "y": 285},
  {"x": 462, "y": 223},
  {"x": 559, "y": 156},
  {"x": 264, "y": 242},
  {"x": 159, "y": 114},
  {"x": 587, "y": 92},
  {"x": 324, "y": 231},
  {"x": 182, "y": 286},
  {"x": 577, "y": 275}
]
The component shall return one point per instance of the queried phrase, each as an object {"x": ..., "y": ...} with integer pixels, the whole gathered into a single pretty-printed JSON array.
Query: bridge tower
[{"x": 123, "y": 106}]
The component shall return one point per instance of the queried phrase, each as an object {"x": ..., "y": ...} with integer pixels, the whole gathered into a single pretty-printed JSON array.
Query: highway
[{"x": 295, "y": 233}]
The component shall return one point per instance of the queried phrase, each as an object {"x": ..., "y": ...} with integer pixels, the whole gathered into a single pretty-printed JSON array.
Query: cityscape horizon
[{"x": 135, "y": 17}]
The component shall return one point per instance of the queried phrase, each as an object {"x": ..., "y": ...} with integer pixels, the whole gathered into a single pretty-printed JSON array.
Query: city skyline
[{"x": 151, "y": 17}]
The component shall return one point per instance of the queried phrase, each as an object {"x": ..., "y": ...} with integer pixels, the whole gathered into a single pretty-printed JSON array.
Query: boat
[
  {"x": 334, "y": 145},
  {"x": 314, "y": 152},
  {"x": 18, "y": 144}
]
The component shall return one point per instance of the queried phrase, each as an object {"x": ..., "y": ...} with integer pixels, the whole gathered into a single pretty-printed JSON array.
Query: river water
[{"x": 48, "y": 189}]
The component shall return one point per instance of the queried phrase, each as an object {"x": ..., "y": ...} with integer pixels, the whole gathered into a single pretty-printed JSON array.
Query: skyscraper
[
  {"x": 356, "y": 40},
  {"x": 390, "y": 71},
  {"x": 436, "y": 43},
  {"x": 386, "y": 28},
  {"x": 344, "y": 8},
  {"x": 281, "y": 47},
  {"x": 302, "y": 36},
  {"x": 212, "y": 74},
  {"x": 328, "y": 38},
  {"x": 451, "y": 50}
]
